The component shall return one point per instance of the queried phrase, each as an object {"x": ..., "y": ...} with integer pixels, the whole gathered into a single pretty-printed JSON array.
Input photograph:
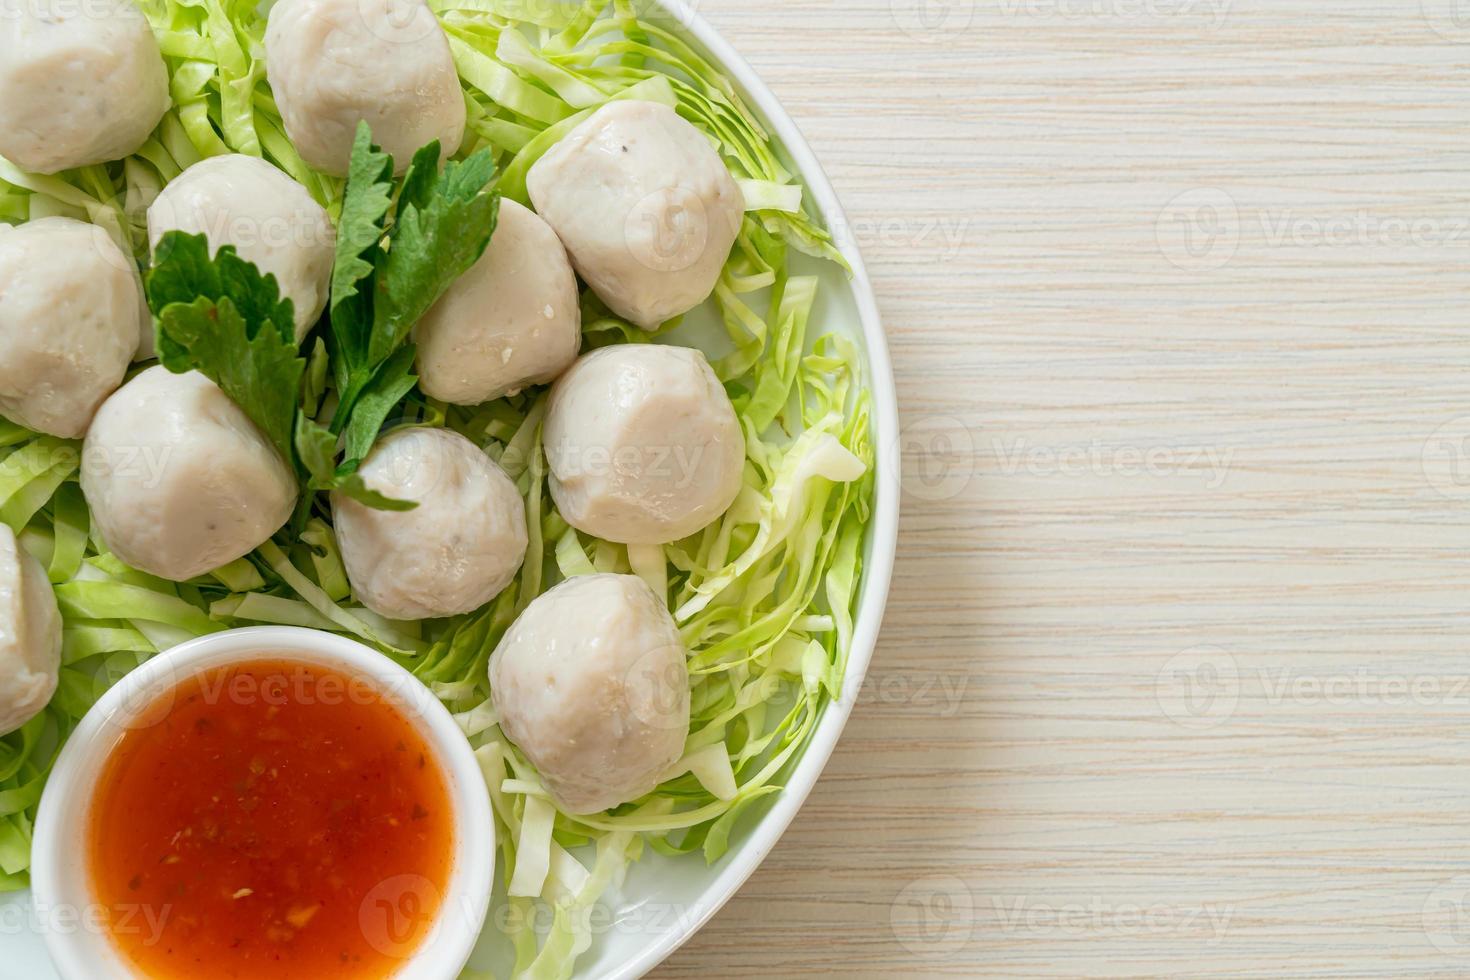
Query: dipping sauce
[{"x": 276, "y": 820}]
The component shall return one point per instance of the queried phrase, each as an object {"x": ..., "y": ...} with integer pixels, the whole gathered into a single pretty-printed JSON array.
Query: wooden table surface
[{"x": 1175, "y": 678}]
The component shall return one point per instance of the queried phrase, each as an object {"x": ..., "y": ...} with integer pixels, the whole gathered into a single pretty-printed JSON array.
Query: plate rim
[{"x": 878, "y": 573}]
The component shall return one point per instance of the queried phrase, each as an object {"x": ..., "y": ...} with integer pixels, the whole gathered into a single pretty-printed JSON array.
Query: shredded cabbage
[{"x": 763, "y": 597}]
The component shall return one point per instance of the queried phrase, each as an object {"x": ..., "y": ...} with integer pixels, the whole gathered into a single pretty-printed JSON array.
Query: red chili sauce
[{"x": 276, "y": 820}]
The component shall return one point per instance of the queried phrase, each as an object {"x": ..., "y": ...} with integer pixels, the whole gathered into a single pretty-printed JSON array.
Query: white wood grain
[{"x": 1243, "y": 468}]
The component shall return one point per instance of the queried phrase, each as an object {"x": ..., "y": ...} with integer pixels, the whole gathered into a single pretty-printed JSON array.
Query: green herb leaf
[
  {"x": 389, "y": 386},
  {"x": 352, "y": 485},
  {"x": 183, "y": 271},
  {"x": 365, "y": 206},
  {"x": 222, "y": 318},
  {"x": 444, "y": 223},
  {"x": 316, "y": 446},
  {"x": 315, "y": 384}
]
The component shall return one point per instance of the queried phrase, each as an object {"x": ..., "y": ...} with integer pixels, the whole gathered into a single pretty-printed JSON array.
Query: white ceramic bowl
[{"x": 59, "y": 879}]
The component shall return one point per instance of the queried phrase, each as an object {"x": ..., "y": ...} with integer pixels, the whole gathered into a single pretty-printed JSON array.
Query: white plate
[{"x": 665, "y": 900}]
